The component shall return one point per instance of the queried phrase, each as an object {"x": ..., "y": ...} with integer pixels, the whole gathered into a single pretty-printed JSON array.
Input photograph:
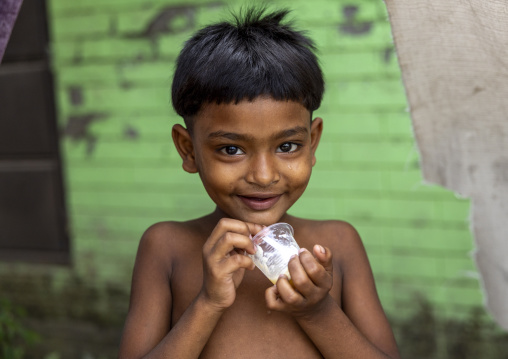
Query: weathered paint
[
  {"x": 454, "y": 57},
  {"x": 123, "y": 173},
  {"x": 365, "y": 171}
]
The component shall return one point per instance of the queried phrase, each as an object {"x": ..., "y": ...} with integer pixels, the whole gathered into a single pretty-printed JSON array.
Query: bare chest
[{"x": 247, "y": 329}]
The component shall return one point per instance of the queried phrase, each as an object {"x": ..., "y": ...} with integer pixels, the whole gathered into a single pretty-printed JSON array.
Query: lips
[{"x": 259, "y": 202}]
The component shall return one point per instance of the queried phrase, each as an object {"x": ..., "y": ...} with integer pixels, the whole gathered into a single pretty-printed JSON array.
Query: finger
[
  {"x": 272, "y": 298},
  {"x": 254, "y": 228},
  {"x": 324, "y": 256},
  {"x": 231, "y": 241},
  {"x": 237, "y": 261},
  {"x": 229, "y": 225},
  {"x": 226, "y": 225},
  {"x": 219, "y": 268},
  {"x": 287, "y": 292},
  {"x": 315, "y": 271},
  {"x": 299, "y": 276}
]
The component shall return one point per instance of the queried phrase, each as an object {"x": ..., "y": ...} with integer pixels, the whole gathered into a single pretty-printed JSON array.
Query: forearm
[
  {"x": 336, "y": 336},
  {"x": 189, "y": 336}
]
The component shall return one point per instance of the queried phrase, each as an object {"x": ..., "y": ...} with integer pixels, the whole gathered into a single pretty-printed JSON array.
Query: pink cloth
[{"x": 9, "y": 10}]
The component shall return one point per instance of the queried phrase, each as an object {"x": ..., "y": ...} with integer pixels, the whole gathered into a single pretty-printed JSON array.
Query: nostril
[
  {"x": 264, "y": 178},
  {"x": 263, "y": 172}
]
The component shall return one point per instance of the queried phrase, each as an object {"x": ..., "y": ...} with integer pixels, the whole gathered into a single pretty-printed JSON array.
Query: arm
[
  {"x": 357, "y": 330},
  {"x": 147, "y": 332}
]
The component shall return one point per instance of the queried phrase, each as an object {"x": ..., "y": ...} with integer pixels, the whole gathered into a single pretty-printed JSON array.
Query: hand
[
  {"x": 224, "y": 263},
  {"x": 312, "y": 278}
]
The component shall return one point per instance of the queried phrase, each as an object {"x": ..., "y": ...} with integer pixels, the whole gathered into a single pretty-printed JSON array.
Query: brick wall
[{"x": 113, "y": 61}]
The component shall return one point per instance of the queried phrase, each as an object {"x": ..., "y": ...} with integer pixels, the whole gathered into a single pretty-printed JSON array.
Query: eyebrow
[
  {"x": 229, "y": 135},
  {"x": 241, "y": 137}
]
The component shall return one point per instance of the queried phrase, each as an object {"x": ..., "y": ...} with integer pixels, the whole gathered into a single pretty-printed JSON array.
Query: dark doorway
[{"x": 33, "y": 219}]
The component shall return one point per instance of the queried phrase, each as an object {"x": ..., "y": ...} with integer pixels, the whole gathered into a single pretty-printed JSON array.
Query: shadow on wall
[
  {"x": 70, "y": 320},
  {"x": 77, "y": 320},
  {"x": 423, "y": 335}
]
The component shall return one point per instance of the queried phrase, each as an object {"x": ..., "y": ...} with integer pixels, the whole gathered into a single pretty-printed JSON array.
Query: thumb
[
  {"x": 254, "y": 228},
  {"x": 324, "y": 257},
  {"x": 272, "y": 298}
]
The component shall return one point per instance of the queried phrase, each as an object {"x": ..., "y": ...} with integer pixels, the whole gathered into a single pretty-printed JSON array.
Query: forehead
[{"x": 261, "y": 114}]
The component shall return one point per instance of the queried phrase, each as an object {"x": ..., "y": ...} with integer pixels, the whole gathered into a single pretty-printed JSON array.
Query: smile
[{"x": 259, "y": 203}]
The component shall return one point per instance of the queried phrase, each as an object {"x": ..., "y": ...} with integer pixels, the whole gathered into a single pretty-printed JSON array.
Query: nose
[{"x": 263, "y": 170}]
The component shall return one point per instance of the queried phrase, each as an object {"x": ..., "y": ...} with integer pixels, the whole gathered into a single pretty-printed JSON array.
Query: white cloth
[{"x": 454, "y": 60}]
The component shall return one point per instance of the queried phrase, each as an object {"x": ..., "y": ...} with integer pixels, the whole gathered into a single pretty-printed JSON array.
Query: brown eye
[
  {"x": 232, "y": 150},
  {"x": 288, "y": 147}
]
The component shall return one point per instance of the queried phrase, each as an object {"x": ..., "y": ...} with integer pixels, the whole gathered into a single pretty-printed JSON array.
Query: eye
[
  {"x": 231, "y": 150},
  {"x": 288, "y": 147}
]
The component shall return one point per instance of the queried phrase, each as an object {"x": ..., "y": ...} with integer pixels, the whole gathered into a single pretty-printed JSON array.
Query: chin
[{"x": 265, "y": 220}]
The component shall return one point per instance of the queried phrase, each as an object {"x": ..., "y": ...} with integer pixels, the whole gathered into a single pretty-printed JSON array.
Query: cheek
[
  {"x": 216, "y": 179},
  {"x": 299, "y": 174}
]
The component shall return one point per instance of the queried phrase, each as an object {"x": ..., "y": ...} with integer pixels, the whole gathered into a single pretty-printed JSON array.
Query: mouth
[{"x": 260, "y": 202}]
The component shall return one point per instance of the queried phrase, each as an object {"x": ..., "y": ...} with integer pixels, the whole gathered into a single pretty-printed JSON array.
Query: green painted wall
[{"x": 113, "y": 62}]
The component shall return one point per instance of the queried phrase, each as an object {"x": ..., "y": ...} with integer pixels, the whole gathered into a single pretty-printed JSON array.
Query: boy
[{"x": 246, "y": 91}]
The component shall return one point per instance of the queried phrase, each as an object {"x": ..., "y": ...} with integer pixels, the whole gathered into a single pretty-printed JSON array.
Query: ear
[
  {"x": 316, "y": 128},
  {"x": 185, "y": 148}
]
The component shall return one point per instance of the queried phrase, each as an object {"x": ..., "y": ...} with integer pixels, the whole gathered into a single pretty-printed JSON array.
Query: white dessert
[{"x": 273, "y": 254}]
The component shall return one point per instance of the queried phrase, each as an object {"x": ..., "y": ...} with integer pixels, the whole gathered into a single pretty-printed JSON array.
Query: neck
[{"x": 218, "y": 213}]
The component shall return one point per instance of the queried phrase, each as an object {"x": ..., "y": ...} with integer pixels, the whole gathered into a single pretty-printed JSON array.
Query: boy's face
[{"x": 254, "y": 158}]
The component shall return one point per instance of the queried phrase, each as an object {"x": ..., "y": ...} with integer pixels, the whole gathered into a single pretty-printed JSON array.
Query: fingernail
[
  {"x": 322, "y": 249},
  {"x": 293, "y": 256},
  {"x": 302, "y": 250}
]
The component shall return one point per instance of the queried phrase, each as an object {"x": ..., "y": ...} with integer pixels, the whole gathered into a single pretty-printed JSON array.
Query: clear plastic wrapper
[{"x": 275, "y": 245}]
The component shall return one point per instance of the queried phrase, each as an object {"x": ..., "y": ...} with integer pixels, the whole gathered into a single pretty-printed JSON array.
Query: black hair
[{"x": 254, "y": 55}]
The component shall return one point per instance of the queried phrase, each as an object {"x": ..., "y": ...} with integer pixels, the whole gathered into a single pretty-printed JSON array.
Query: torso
[{"x": 256, "y": 332}]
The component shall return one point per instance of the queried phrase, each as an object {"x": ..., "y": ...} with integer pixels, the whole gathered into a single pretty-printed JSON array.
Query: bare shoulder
[
  {"x": 164, "y": 232},
  {"x": 160, "y": 248},
  {"x": 353, "y": 278},
  {"x": 165, "y": 240},
  {"x": 341, "y": 237},
  {"x": 348, "y": 252}
]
